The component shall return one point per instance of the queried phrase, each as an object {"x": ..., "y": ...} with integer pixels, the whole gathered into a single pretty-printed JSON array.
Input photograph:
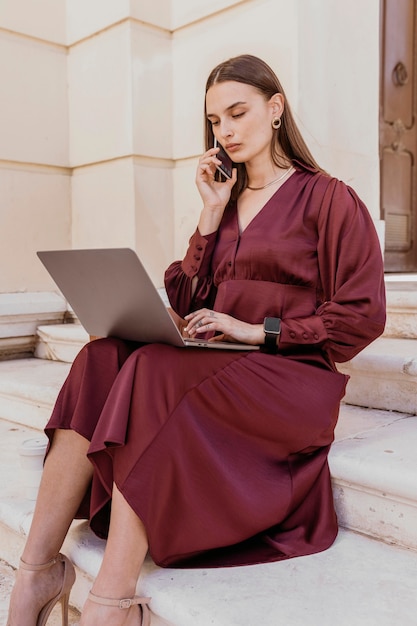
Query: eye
[
  {"x": 213, "y": 123},
  {"x": 238, "y": 115}
]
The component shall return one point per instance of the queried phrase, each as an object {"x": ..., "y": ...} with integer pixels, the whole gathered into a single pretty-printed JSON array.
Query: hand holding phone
[{"x": 226, "y": 166}]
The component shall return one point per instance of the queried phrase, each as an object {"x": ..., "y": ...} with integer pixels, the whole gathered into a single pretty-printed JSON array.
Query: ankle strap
[
  {"x": 124, "y": 603},
  {"x": 37, "y": 568}
]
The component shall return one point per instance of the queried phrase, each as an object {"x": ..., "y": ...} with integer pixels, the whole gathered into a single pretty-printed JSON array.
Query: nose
[{"x": 225, "y": 130}]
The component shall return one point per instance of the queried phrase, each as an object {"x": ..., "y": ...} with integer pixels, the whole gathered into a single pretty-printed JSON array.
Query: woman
[{"x": 217, "y": 457}]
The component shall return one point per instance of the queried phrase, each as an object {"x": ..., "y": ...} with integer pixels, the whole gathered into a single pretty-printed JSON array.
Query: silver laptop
[{"x": 113, "y": 296}]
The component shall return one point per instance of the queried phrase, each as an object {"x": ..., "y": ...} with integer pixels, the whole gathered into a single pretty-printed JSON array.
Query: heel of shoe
[
  {"x": 65, "y": 609},
  {"x": 48, "y": 608},
  {"x": 63, "y": 595}
]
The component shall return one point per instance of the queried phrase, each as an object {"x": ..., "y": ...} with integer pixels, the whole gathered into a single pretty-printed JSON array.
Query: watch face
[{"x": 272, "y": 325}]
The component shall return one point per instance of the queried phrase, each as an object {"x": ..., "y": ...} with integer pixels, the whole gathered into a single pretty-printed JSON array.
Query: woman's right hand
[{"x": 215, "y": 195}]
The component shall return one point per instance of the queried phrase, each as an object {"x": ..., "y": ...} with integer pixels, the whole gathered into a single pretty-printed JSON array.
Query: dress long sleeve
[
  {"x": 352, "y": 312},
  {"x": 180, "y": 276}
]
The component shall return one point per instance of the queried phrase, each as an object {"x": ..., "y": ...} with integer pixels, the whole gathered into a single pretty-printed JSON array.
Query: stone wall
[{"x": 102, "y": 102}]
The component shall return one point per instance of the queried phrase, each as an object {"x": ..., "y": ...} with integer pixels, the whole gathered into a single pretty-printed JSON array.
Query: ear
[{"x": 276, "y": 103}]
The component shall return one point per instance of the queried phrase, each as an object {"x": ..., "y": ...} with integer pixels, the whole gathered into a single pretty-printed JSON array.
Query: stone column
[
  {"x": 120, "y": 108},
  {"x": 34, "y": 167}
]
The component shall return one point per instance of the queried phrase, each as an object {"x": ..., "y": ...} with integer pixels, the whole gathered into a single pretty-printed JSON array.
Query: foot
[
  {"x": 31, "y": 592},
  {"x": 94, "y": 614}
]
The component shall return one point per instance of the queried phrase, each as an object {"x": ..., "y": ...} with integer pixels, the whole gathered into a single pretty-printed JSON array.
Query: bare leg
[
  {"x": 65, "y": 479},
  {"x": 125, "y": 552}
]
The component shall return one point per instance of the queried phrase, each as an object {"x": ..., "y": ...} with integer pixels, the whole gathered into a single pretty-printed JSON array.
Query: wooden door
[{"x": 398, "y": 134}]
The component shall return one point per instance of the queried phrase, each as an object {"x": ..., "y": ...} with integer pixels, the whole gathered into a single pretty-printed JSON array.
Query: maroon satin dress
[{"x": 223, "y": 454}]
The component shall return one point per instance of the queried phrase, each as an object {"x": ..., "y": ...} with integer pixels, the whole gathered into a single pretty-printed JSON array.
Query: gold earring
[{"x": 276, "y": 123}]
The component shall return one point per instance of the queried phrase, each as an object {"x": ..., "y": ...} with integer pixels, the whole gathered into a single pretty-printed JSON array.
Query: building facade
[{"x": 101, "y": 116}]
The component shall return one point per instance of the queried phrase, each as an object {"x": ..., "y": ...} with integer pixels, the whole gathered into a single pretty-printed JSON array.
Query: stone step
[
  {"x": 28, "y": 389},
  {"x": 357, "y": 581},
  {"x": 374, "y": 474},
  {"x": 21, "y": 314},
  {"x": 401, "y": 307},
  {"x": 384, "y": 375},
  {"x": 60, "y": 342}
]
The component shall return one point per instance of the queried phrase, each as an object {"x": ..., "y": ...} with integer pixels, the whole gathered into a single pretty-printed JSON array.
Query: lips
[{"x": 232, "y": 147}]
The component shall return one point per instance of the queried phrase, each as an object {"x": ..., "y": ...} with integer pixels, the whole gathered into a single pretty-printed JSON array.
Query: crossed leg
[{"x": 66, "y": 476}]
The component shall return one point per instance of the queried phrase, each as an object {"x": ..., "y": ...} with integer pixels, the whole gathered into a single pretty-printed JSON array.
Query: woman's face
[{"x": 241, "y": 119}]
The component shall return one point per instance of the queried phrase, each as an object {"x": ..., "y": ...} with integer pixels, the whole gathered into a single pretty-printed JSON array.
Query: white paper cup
[{"x": 32, "y": 453}]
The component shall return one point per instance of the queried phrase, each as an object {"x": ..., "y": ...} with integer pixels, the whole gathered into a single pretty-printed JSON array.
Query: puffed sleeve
[
  {"x": 183, "y": 294},
  {"x": 351, "y": 313}
]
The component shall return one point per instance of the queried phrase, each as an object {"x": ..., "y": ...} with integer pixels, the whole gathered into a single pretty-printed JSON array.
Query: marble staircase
[{"x": 368, "y": 577}]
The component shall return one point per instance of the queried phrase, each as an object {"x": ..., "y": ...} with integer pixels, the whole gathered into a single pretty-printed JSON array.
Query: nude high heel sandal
[
  {"x": 126, "y": 603},
  {"x": 63, "y": 595}
]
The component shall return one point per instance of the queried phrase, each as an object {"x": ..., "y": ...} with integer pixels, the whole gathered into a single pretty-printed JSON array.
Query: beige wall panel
[
  {"x": 357, "y": 170},
  {"x": 198, "y": 48},
  {"x": 100, "y": 98},
  {"x": 126, "y": 203},
  {"x": 188, "y": 204},
  {"x": 186, "y": 11},
  {"x": 339, "y": 92},
  {"x": 158, "y": 13},
  {"x": 151, "y": 57},
  {"x": 34, "y": 215},
  {"x": 44, "y": 19},
  {"x": 155, "y": 227},
  {"x": 34, "y": 110},
  {"x": 85, "y": 17},
  {"x": 103, "y": 212}
]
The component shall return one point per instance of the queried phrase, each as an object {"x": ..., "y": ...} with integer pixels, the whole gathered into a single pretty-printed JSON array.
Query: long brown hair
[{"x": 287, "y": 142}]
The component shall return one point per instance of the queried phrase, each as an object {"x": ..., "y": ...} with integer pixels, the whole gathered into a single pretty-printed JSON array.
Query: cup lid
[{"x": 33, "y": 446}]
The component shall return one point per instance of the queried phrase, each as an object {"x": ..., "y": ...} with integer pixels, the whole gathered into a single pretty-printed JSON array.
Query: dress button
[
  {"x": 197, "y": 258},
  {"x": 199, "y": 247},
  {"x": 194, "y": 268},
  {"x": 230, "y": 264},
  {"x": 305, "y": 336},
  {"x": 292, "y": 334}
]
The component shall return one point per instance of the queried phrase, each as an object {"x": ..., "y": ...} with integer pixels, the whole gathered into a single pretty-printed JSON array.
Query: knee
[{"x": 106, "y": 349}]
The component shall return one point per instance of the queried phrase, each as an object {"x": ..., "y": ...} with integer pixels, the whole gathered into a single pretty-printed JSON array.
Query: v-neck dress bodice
[{"x": 311, "y": 256}]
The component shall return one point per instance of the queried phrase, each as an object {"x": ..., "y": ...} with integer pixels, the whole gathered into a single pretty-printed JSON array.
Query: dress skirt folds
[
  {"x": 223, "y": 454},
  {"x": 218, "y": 475}
]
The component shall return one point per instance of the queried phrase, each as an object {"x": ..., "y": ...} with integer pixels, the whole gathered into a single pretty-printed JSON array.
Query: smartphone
[{"x": 226, "y": 166}]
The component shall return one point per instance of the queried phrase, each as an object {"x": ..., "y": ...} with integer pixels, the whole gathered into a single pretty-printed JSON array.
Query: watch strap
[{"x": 272, "y": 330}]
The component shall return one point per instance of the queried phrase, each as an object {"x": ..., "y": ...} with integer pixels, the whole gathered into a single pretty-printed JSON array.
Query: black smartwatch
[{"x": 272, "y": 330}]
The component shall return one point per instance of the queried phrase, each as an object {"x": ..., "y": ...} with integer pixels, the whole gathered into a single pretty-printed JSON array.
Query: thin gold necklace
[{"x": 272, "y": 181}]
